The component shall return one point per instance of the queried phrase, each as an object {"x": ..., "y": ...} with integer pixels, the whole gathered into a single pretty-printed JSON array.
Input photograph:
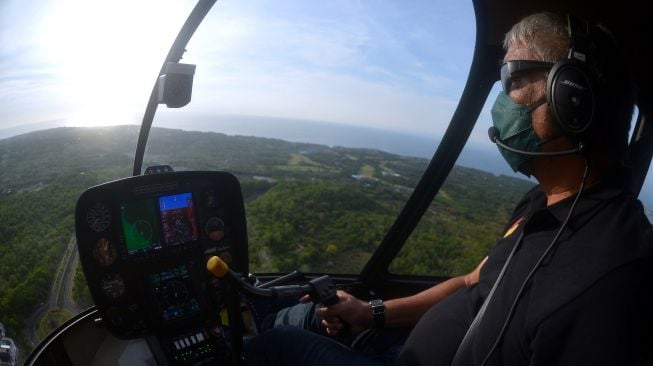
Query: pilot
[{"x": 569, "y": 281}]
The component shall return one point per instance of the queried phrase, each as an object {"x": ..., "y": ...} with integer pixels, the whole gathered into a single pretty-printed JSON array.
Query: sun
[{"x": 108, "y": 54}]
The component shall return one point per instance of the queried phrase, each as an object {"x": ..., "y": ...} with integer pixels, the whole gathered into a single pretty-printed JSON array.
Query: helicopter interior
[{"x": 144, "y": 241}]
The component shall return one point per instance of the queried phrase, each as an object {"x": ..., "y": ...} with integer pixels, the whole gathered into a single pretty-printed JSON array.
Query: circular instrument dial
[
  {"x": 215, "y": 229},
  {"x": 104, "y": 252},
  {"x": 113, "y": 285},
  {"x": 175, "y": 293},
  {"x": 98, "y": 217},
  {"x": 211, "y": 200}
]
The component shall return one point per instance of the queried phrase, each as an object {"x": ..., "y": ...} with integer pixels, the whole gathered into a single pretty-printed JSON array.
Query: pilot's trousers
[{"x": 296, "y": 338}]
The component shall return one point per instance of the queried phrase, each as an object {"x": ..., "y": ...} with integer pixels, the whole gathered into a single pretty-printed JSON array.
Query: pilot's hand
[
  {"x": 472, "y": 277},
  {"x": 349, "y": 310},
  {"x": 305, "y": 299}
]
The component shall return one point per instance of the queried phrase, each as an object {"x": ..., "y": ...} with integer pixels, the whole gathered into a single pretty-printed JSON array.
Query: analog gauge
[
  {"x": 214, "y": 228},
  {"x": 210, "y": 199},
  {"x": 144, "y": 229},
  {"x": 113, "y": 285},
  {"x": 175, "y": 293},
  {"x": 104, "y": 252},
  {"x": 98, "y": 217}
]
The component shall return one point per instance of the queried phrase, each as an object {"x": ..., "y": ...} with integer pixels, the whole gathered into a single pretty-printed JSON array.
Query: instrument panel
[{"x": 144, "y": 242}]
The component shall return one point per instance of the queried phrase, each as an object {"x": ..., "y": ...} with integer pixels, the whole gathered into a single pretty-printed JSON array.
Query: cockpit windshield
[{"x": 327, "y": 113}]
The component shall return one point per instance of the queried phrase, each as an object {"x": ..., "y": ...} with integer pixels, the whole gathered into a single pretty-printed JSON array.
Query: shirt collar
[{"x": 590, "y": 198}]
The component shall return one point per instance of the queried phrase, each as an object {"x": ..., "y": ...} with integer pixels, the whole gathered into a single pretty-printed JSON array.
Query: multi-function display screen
[
  {"x": 174, "y": 294},
  {"x": 157, "y": 222}
]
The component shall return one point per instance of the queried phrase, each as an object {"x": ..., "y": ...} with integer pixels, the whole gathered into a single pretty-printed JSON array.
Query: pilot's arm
[{"x": 400, "y": 312}]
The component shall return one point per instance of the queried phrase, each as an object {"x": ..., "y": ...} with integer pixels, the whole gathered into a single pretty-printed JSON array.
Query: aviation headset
[{"x": 569, "y": 87}]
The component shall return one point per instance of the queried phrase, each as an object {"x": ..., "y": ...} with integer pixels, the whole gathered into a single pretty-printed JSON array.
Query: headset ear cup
[{"x": 570, "y": 97}]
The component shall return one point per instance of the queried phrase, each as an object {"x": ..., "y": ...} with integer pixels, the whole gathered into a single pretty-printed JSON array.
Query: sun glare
[{"x": 108, "y": 54}]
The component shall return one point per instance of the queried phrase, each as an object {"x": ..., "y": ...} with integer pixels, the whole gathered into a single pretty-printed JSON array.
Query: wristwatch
[{"x": 378, "y": 312}]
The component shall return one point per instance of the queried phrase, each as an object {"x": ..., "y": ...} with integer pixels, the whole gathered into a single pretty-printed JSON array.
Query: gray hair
[{"x": 544, "y": 34}]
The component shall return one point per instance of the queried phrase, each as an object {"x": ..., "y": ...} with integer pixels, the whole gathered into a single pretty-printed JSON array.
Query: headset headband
[
  {"x": 570, "y": 94},
  {"x": 579, "y": 38}
]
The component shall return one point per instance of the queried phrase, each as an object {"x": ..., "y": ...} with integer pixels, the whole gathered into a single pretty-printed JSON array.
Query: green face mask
[{"x": 515, "y": 130}]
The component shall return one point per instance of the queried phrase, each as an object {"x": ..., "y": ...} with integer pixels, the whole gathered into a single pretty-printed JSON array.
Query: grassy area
[
  {"x": 50, "y": 321},
  {"x": 299, "y": 159},
  {"x": 367, "y": 171}
]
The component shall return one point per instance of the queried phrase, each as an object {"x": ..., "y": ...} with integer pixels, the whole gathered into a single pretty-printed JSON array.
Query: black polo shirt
[{"x": 586, "y": 304}]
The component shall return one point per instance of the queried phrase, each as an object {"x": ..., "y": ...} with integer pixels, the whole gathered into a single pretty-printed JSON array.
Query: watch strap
[{"x": 378, "y": 313}]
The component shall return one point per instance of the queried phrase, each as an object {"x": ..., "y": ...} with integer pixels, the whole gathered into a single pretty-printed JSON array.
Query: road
[{"x": 61, "y": 291}]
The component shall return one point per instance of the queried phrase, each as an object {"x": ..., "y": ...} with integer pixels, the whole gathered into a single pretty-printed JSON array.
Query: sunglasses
[{"x": 510, "y": 67}]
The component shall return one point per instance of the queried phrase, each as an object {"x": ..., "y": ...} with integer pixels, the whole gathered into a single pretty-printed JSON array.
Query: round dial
[
  {"x": 104, "y": 252},
  {"x": 175, "y": 293},
  {"x": 113, "y": 285},
  {"x": 214, "y": 228},
  {"x": 98, "y": 217},
  {"x": 211, "y": 200}
]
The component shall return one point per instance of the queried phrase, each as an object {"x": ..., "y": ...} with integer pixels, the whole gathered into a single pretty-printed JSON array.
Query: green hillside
[{"x": 309, "y": 207}]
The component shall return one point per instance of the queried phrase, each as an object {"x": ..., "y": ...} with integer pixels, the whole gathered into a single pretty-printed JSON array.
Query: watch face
[{"x": 378, "y": 311}]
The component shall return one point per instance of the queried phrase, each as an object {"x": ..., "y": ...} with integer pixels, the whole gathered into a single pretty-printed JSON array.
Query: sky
[
  {"x": 398, "y": 66},
  {"x": 376, "y": 63}
]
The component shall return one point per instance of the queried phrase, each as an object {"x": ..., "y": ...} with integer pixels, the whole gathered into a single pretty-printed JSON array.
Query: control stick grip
[
  {"x": 321, "y": 289},
  {"x": 324, "y": 291},
  {"x": 221, "y": 270}
]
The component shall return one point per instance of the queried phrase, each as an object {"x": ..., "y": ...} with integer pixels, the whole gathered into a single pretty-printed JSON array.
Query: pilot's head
[{"x": 587, "y": 98}]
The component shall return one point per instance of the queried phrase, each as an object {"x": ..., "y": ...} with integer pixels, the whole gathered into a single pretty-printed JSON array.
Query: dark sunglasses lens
[
  {"x": 510, "y": 67},
  {"x": 506, "y": 79}
]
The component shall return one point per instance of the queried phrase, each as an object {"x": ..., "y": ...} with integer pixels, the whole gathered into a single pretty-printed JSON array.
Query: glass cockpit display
[
  {"x": 154, "y": 223},
  {"x": 173, "y": 291},
  {"x": 140, "y": 225},
  {"x": 178, "y": 218}
]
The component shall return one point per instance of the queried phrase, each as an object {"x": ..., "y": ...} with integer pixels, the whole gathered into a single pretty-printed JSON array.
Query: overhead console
[{"x": 144, "y": 242}]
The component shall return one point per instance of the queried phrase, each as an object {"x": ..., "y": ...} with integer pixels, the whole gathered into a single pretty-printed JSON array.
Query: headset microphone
[{"x": 493, "y": 133}]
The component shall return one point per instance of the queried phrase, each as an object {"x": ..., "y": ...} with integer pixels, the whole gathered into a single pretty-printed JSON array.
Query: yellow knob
[{"x": 217, "y": 266}]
